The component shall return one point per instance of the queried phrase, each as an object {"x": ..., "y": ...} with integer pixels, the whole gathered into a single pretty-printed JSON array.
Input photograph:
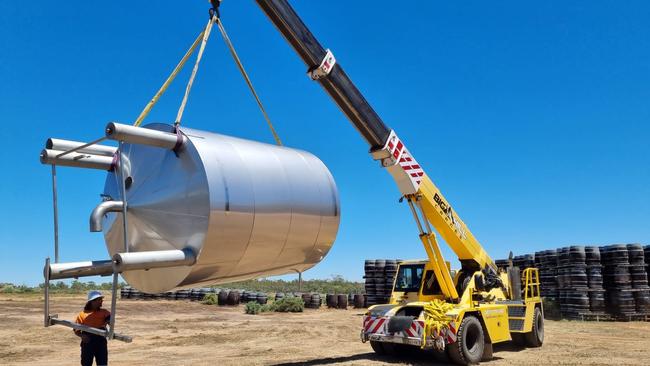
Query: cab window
[
  {"x": 409, "y": 278},
  {"x": 430, "y": 285}
]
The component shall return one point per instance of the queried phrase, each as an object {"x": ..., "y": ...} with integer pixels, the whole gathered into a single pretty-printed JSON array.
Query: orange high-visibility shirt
[{"x": 95, "y": 319}]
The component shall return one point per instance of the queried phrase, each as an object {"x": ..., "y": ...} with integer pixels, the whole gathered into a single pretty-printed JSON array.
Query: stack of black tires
[
  {"x": 639, "y": 278},
  {"x": 572, "y": 282},
  {"x": 595, "y": 280},
  {"x": 312, "y": 300},
  {"x": 546, "y": 262},
  {"x": 524, "y": 261},
  {"x": 258, "y": 297},
  {"x": 342, "y": 301},
  {"x": 379, "y": 276},
  {"x": 617, "y": 280}
]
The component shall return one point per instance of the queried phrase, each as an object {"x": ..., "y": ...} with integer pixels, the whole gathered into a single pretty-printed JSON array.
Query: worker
[{"x": 93, "y": 345}]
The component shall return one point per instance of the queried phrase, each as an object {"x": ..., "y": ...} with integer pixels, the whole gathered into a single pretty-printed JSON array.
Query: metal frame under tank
[{"x": 92, "y": 155}]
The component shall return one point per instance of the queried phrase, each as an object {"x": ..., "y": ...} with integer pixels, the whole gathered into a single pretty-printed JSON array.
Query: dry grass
[{"x": 189, "y": 333}]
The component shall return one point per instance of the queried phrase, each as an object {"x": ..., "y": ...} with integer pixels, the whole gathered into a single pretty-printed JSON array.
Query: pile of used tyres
[
  {"x": 590, "y": 281},
  {"x": 380, "y": 276},
  {"x": 232, "y": 297}
]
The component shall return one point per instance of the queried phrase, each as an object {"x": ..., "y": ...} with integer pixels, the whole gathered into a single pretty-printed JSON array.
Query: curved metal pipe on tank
[
  {"x": 144, "y": 136},
  {"x": 76, "y": 160},
  {"x": 65, "y": 145},
  {"x": 102, "y": 209}
]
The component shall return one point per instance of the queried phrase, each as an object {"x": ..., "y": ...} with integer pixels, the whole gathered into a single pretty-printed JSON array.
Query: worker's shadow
[{"x": 410, "y": 358}]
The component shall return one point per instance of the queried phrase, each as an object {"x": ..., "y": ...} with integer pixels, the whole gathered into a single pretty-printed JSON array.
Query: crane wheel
[
  {"x": 378, "y": 347},
  {"x": 470, "y": 342},
  {"x": 535, "y": 338}
]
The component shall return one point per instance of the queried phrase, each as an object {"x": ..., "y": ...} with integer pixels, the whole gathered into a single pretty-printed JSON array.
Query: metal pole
[
  {"x": 300, "y": 281},
  {"x": 56, "y": 216},
  {"x": 85, "y": 328},
  {"x": 46, "y": 293},
  {"x": 113, "y": 305},
  {"x": 415, "y": 215},
  {"x": 123, "y": 187}
]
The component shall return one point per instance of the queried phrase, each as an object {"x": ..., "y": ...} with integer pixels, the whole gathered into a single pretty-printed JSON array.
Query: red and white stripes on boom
[{"x": 401, "y": 154}]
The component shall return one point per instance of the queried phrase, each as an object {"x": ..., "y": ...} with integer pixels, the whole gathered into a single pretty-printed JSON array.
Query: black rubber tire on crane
[
  {"x": 377, "y": 347},
  {"x": 470, "y": 342},
  {"x": 535, "y": 338}
]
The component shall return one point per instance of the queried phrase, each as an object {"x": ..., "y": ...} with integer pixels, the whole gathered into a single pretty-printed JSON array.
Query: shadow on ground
[{"x": 415, "y": 357}]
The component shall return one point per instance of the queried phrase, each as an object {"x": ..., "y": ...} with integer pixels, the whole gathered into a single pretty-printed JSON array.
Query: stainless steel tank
[{"x": 247, "y": 209}]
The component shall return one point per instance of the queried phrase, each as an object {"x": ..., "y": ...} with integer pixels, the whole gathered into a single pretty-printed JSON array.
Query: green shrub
[
  {"x": 266, "y": 308},
  {"x": 252, "y": 307},
  {"x": 289, "y": 305},
  {"x": 210, "y": 299}
]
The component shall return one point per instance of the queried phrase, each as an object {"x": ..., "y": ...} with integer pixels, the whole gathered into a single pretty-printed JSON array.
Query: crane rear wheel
[{"x": 470, "y": 342}]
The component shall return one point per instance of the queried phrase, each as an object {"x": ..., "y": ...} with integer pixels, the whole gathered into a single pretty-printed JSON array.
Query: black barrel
[
  {"x": 233, "y": 298},
  {"x": 342, "y": 301},
  {"x": 315, "y": 301},
  {"x": 306, "y": 298},
  {"x": 359, "y": 301},
  {"x": 331, "y": 301},
  {"x": 222, "y": 297}
]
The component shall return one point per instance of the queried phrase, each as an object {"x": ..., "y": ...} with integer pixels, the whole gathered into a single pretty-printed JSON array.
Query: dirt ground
[{"x": 189, "y": 333}]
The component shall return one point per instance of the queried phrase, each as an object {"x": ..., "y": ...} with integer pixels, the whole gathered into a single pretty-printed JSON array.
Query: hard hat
[{"x": 92, "y": 295}]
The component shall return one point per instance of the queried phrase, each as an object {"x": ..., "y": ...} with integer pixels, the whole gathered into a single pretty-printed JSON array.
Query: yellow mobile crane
[{"x": 463, "y": 314}]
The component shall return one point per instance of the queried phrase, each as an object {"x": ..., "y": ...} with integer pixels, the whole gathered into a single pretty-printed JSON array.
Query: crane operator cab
[{"x": 415, "y": 281}]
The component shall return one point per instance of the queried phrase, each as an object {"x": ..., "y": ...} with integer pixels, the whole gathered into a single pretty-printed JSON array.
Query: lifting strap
[
  {"x": 248, "y": 80},
  {"x": 172, "y": 76},
  {"x": 202, "y": 38},
  {"x": 206, "y": 35}
]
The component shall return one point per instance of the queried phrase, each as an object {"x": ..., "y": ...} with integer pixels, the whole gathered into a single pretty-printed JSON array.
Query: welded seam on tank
[
  {"x": 291, "y": 197},
  {"x": 250, "y": 235},
  {"x": 320, "y": 208}
]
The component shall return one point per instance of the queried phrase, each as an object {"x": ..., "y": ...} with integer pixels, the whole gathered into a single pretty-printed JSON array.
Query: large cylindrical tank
[{"x": 248, "y": 209}]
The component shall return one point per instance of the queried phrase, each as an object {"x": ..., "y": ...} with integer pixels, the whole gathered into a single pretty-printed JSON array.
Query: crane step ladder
[{"x": 531, "y": 295}]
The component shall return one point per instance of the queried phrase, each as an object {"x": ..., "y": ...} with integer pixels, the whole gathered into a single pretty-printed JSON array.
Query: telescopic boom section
[{"x": 385, "y": 146}]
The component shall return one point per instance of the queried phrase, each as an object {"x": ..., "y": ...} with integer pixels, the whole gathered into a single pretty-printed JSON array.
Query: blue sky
[{"x": 531, "y": 118}]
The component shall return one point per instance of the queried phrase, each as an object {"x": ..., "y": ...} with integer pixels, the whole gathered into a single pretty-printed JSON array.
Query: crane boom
[{"x": 386, "y": 147}]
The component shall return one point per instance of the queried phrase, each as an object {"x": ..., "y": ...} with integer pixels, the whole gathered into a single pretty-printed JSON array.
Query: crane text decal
[{"x": 446, "y": 209}]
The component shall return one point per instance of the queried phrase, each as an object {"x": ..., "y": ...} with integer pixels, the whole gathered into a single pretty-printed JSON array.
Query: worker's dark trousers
[{"x": 96, "y": 348}]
